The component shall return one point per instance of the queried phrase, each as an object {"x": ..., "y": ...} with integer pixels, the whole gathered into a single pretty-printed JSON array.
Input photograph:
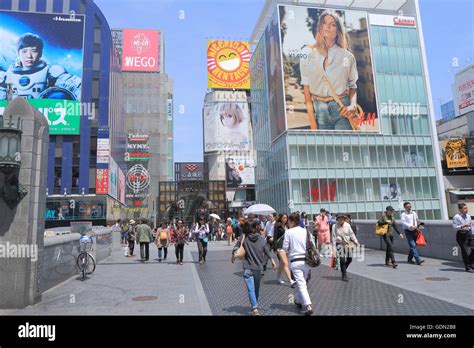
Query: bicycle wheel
[
  {"x": 82, "y": 264},
  {"x": 90, "y": 264}
]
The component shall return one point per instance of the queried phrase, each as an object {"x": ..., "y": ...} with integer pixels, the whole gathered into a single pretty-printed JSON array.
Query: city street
[{"x": 124, "y": 286}]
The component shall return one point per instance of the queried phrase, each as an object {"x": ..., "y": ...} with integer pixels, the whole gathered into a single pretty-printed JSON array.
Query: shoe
[
  {"x": 177, "y": 261},
  {"x": 344, "y": 278},
  {"x": 293, "y": 284},
  {"x": 142, "y": 261},
  {"x": 394, "y": 265},
  {"x": 299, "y": 305},
  {"x": 181, "y": 263},
  {"x": 147, "y": 259},
  {"x": 200, "y": 262},
  {"x": 388, "y": 264},
  {"x": 309, "y": 311},
  {"x": 411, "y": 262},
  {"x": 159, "y": 260},
  {"x": 255, "y": 312},
  {"x": 281, "y": 281},
  {"x": 420, "y": 262}
]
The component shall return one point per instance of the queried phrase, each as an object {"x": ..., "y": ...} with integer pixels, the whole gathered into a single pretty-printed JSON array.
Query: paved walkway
[{"x": 124, "y": 286}]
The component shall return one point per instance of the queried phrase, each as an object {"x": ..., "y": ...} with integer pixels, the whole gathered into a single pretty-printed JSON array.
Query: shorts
[{"x": 324, "y": 238}]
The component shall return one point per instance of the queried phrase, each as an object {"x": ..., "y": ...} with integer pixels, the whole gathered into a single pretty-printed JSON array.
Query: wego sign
[{"x": 140, "y": 50}]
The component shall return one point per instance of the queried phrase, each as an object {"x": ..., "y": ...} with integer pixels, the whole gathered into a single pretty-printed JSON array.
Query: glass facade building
[{"x": 347, "y": 172}]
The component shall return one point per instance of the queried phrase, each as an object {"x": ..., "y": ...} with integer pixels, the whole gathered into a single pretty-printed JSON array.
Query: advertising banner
[
  {"x": 41, "y": 60},
  {"x": 457, "y": 155},
  {"x": 226, "y": 126},
  {"x": 113, "y": 178},
  {"x": 464, "y": 90},
  {"x": 240, "y": 172},
  {"x": 228, "y": 64},
  {"x": 121, "y": 187},
  {"x": 102, "y": 182},
  {"x": 328, "y": 71},
  {"x": 138, "y": 177},
  {"x": 390, "y": 192},
  {"x": 140, "y": 50}
]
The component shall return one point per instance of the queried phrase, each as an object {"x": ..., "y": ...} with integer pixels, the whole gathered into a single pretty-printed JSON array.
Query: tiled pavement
[
  {"x": 226, "y": 292},
  {"x": 217, "y": 288}
]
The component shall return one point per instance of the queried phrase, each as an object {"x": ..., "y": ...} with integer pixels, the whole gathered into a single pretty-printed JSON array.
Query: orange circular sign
[{"x": 228, "y": 64}]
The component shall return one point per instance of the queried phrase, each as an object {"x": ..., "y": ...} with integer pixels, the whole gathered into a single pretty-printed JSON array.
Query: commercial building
[
  {"x": 388, "y": 154},
  {"x": 86, "y": 168},
  {"x": 148, "y": 110},
  {"x": 228, "y": 141},
  {"x": 456, "y": 140},
  {"x": 191, "y": 195}
]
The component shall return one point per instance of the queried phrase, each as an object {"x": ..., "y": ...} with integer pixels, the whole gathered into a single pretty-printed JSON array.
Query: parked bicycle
[{"x": 85, "y": 261}]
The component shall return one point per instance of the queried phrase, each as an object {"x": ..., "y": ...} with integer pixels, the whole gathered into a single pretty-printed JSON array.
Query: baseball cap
[{"x": 389, "y": 208}]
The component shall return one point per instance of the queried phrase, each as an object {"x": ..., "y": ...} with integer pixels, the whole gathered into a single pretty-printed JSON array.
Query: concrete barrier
[
  {"x": 61, "y": 251},
  {"x": 440, "y": 236}
]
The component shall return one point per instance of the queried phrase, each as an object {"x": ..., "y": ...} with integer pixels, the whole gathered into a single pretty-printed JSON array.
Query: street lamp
[{"x": 11, "y": 191}]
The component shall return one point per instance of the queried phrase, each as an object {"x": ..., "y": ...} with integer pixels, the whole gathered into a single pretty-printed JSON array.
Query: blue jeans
[
  {"x": 252, "y": 280},
  {"x": 328, "y": 117},
  {"x": 411, "y": 239}
]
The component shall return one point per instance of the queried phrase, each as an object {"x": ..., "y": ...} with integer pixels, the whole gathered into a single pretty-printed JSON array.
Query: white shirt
[
  {"x": 343, "y": 235},
  {"x": 341, "y": 70},
  {"x": 409, "y": 219},
  {"x": 294, "y": 242},
  {"x": 269, "y": 228}
]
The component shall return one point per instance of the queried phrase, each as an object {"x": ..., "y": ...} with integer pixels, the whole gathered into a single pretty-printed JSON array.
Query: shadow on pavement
[
  {"x": 331, "y": 278},
  {"x": 452, "y": 270},
  {"x": 377, "y": 265},
  {"x": 453, "y": 264},
  {"x": 290, "y": 308},
  {"x": 238, "y": 309}
]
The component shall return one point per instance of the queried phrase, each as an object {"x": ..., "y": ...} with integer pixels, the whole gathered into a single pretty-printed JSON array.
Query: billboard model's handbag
[{"x": 354, "y": 120}]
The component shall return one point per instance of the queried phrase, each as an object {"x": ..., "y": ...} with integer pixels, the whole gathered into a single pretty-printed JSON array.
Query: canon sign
[{"x": 140, "y": 50}]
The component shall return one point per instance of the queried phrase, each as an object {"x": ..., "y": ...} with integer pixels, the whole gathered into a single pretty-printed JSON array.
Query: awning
[{"x": 462, "y": 193}]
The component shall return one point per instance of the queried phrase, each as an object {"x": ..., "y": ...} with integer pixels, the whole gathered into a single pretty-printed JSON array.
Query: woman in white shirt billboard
[
  {"x": 330, "y": 56},
  {"x": 294, "y": 244}
]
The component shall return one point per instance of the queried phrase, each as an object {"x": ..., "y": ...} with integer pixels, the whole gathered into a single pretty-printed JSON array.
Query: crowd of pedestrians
[{"x": 285, "y": 237}]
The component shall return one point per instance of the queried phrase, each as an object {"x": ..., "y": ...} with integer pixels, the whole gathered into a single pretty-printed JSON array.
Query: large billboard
[
  {"x": 228, "y": 64},
  {"x": 464, "y": 90},
  {"x": 138, "y": 177},
  {"x": 191, "y": 171},
  {"x": 327, "y": 67},
  {"x": 140, "y": 50},
  {"x": 240, "y": 171},
  {"x": 227, "y": 122},
  {"x": 41, "y": 60}
]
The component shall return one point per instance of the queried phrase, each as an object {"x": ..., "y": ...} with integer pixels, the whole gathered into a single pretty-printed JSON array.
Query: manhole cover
[
  {"x": 145, "y": 298},
  {"x": 438, "y": 279}
]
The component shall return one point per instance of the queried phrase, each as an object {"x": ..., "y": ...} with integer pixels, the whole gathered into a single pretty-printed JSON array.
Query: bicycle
[{"x": 85, "y": 261}]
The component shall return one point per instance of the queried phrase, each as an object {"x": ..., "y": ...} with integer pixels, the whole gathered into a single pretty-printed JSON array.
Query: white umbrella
[
  {"x": 215, "y": 216},
  {"x": 259, "y": 209}
]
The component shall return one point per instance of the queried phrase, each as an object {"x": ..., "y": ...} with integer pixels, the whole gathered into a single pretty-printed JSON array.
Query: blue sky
[{"x": 447, "y": 25}]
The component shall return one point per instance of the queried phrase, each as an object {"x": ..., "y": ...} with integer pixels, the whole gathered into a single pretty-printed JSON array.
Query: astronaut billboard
[{"x": 41, "y": 59}]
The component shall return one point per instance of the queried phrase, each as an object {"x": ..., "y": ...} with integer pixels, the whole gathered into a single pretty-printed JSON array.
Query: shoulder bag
[
  {"x": 240, "y": 253},
  {"x": 312, "y": 258}
]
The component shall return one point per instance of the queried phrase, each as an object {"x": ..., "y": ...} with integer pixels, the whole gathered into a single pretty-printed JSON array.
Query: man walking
[
  {"x": 410, "y": 224},
  {"x": 144, "y": 237},
  {"x": 462, "y": 224}
]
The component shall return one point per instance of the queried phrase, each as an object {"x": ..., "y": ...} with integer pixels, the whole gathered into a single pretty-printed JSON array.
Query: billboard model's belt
[{"x": 327, "y": 99}]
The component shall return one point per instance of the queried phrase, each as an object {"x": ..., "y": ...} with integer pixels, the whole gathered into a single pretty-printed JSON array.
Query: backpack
[{"x": 163, "y": 235}]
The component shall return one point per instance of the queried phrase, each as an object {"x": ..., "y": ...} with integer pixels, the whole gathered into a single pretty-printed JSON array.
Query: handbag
[
  {"x": 205, "y": 240},
  {"x": 381, "y": 230},
  {"x": 420, "y": 239},
  {"x": 354, "y": 120},
  {"x": 240, "y": 253},
  {"x": 312, "y": 258}
]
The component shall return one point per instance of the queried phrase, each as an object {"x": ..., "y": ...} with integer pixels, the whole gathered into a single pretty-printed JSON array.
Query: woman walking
[
  {"x": 388, "y": 220},
  {"x": 179, "y": 239},
  {"x": 294, "y": 243},
  {"x": 278, "y": 236},
  {"x": 322, "y": 223},
  {"x": 131, "y": 238},
  {"x": 229, "y": 231},
  {"x": 344, "y": 240},
  {"x": 256, "y": 254},
  {"x": 162, "y": 241},
  {"x": 201, "y": 232}
]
